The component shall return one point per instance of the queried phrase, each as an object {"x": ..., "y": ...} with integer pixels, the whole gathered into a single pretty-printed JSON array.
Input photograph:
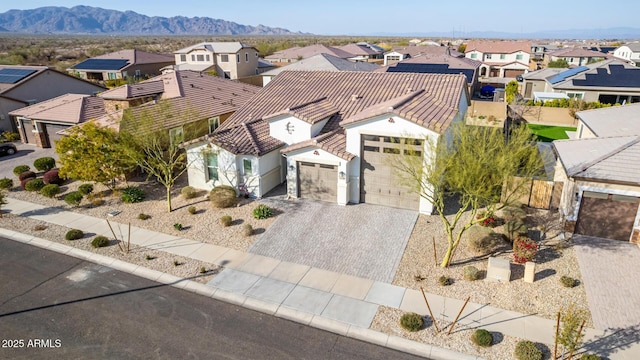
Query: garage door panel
[
  {"x": 51, "y": 132},
  {"x": 317, "y": 181},
  {"x": 27, "y": 127},
  {"x": 606, "y": 216}
]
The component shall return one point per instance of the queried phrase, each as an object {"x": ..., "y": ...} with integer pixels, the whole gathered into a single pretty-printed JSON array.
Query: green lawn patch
[{"x": 547, "y": 133}]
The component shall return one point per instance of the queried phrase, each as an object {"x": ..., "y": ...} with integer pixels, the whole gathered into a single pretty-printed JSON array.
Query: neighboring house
[
  {"x": 440, "y": 64},
  {"x": 22, "y": 86},
  {"x": 320, "y": 62},
  {"x": 600, "y": 174},
  {"x": 609, "y": 81},
  {"x": 538, "y": 51},
  {"x": 629, "y": 52},
  {"x": 363, "y": 51},
  {"x": 125, "y": 64},
  {"x": 230, "y": 60},
  {"x": 188, "y": 98},
  {"x": 401, "y": 53},
  {"x": 501, "y": 59},
  {"x": 575, "y": 56},
  {"x": 330, "y": 135},
  {"x": 297, "y": 53}
]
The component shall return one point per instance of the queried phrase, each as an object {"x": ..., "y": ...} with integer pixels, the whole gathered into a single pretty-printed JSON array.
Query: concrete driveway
[
  {"x": 611, "y": 274},
  {"x": 361, "y": 240},
  {"x": 25, "y": 156}
]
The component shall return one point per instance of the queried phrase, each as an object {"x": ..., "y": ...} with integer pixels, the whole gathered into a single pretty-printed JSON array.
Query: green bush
[
  {"x": 85, "y": 189},
  {"x": 50, "y": 190},
  {"x": 567, "y": 281},
  {"x": 143, "y": 216},
  {"x": 515, "y": 228},
  {"x": 481, "y": 239},
  {"x": 132, "y": 194},
  {"x": 590, "y": 357},
  {"x": 73, "y": 198},
  {"x": 99, "y": 241},
  {"x": 445, "y": 280},
  {"x": 34, "y": 185},
  {"x": 188, "y": 192},
  {"x": 20, "y": 169},
  {"x": 74, "y": 234},
  {"x": 192, "y": 210},
  {"x": 223, "y": 196},
  {"x": 262, "y": 211},
  {"x": 10, "y": 135},
  {"x": 471, "y": 273},
  {"x": 247, "y": 230},
  {"x": 226, "y": 220},
  {"x": 6, "y": 183},
  {"x": 44, "y": 163},
  {"x": 527, "y": 350},
  {"x": 513, "y": 213},
  {"x": 411, "y": 321},
  {"x": 178, "y": 226},
  {"x": 482, "y": 337}
]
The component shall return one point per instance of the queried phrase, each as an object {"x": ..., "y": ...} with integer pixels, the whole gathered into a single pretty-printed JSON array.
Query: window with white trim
[
  {"x": 247, "y": 166},
  {"x": 200, "y": 57},
  {"x": 488, "y": 56},
  {"x": 211, "y": 166},
  {"x": 214, "y": 122},
  {"x": 176, "y": 135},
  {"x": 237, "y": 57},
  {"x": 224, "y": 58},
  {"x": 474, "y": 55},
  {"x": 246, "y": 57},
  {"x": 183, "y": 58},
  {"x": 519, "y": 57}
]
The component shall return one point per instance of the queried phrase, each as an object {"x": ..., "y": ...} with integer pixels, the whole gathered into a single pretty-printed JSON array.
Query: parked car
[{"x": 7, "y": 149}]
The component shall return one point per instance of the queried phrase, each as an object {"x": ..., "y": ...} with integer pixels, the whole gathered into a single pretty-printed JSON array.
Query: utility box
[
  {"x": 498, "y": 270},
  {"x": 529, "y": 271}
]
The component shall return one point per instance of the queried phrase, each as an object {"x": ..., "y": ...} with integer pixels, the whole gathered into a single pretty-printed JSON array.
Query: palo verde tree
[
  {"x": 154, "y": 134},
  {"x": 475, "y": 164},
  {"x": 92, "y": 153}
]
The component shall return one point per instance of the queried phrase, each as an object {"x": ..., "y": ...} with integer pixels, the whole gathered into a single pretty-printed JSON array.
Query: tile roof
[
  {"x": 324, "y": 62},
  {"x": 136, "y": 56},
  {"x": 132, "y": 91},
  {"x": 498, "y": 47},
  {"x": 612, "y": 121},
  {"x": 307, "y": 52},
  {"x": 432, "y": 99},
  {"x": 420, "y": 50},
  {"x": 333, "y": 142},
  {"x": 577, "y": 52},
  {"x": 311, "y": 112},
  {"x": 601, "y": 159},
  {"x": 542, "y": 74},
  {"x": 223, "y": 47},
  {"x": 251, "y": 137},
  {"x": 69, "y": 108},
  {"x": 358, "y": 49},
  {"x": 634, "y": 46}
]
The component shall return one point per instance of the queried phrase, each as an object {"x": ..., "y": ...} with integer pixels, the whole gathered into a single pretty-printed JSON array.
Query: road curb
[{"x": 334, "y": 326}]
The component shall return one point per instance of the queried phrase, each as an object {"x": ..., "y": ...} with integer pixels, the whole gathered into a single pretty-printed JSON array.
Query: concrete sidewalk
[{"x": 332, "y": 301}]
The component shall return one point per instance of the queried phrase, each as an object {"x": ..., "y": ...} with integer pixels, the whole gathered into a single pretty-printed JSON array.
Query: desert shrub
[
  {"x": 262, "y": 211},
  {"x": 85, "y": 189},
  {"x": 515, "y": 228},
  {"x": 192, "y": 210},
  {"x": 132, "y": 194},
  {"x": 44, "y": 163},
  {"x": 411, "y": 321},
  {"x": 178, "y": 226},
  {"x": 567, "y": 281},
  {"x": 471, "y": 273},
  {"x": 513, "y": 213},
  {"x": 482, "y": 337},
  {"x": 247, "y": 230},
  {"x": 527, "y": 350},
  {"x": 590, "y": 357},
  {"x": 27, "y": 175},
  {"x": 143, "y": 216},
  {"x": 489, "y": 220},
  {"x": 445, "y": 280},
  {"x": 481, "y": 239},
  {"x": 188, "y": 192},
  {"x": 50, "y": 190},
  {"x": 74, "y": 234},
  {"x": 203, "y": 270},
  {"x": 20, "y": 169},
  {"x": 10, "y": 135},
  {"x": 99, "y": 241},
  {"x": 97, "y": 202},
  {"x": 226, "y": 220},
  {"x": 524, "y": 249},
  {"x": 73, "y": 198},
  {"x": 34, "y": 185},
  {"x": 6, "y": 183},
  {"x": 52, "y": 177},
  {"x": 223, "y": 196}
]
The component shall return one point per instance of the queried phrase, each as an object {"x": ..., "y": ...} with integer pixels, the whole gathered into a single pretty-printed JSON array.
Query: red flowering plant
[
  {"x": 487, "y": 220},
  {"x": 524, "y": 249}
]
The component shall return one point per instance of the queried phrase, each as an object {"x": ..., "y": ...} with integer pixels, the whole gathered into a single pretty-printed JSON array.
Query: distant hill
[
  {"x": 94, "y": 20},
  {"x": 608, "y": 33}
]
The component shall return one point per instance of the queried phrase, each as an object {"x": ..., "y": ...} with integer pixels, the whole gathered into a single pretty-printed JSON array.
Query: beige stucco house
[{"x": 230, "y": 60}]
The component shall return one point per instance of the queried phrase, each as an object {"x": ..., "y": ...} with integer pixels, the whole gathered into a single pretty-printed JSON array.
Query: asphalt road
[{"x": 57, "y": 307}]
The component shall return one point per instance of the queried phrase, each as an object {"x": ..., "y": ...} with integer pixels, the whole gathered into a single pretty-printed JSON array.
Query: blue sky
[{"x": 358, "y": 17}]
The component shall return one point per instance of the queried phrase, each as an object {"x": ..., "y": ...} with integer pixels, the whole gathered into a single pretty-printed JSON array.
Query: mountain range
[{"x": 98, "y": 21}]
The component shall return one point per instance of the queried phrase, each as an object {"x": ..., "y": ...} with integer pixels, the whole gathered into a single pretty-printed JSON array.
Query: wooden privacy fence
[{"x": 539, "y": 194}]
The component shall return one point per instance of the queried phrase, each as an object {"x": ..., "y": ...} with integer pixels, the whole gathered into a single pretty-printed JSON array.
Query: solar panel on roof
[
  {"x": 566, "y": 74},
  {"x": 13, "y": 75},
  {"x": 102, "y": 64}
]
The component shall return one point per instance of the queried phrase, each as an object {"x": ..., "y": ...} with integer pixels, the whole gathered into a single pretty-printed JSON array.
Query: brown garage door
[
  {"x": 606, "y": 215},
  {"x": 27, "y": 127},
  {"x": 51, "y": 130},
  {"x": 512, "y": 73},
  {"x": 318, "y": 181},
  {"x": 378, "y": 182}
]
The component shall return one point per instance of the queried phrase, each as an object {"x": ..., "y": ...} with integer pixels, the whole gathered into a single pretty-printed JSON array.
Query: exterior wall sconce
[
  {"x": 291, "y": 167},
  {"x": 341, "y": 175},
  {"x": 391, "y": 120},
  {"x": 315, "y": 152}
]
